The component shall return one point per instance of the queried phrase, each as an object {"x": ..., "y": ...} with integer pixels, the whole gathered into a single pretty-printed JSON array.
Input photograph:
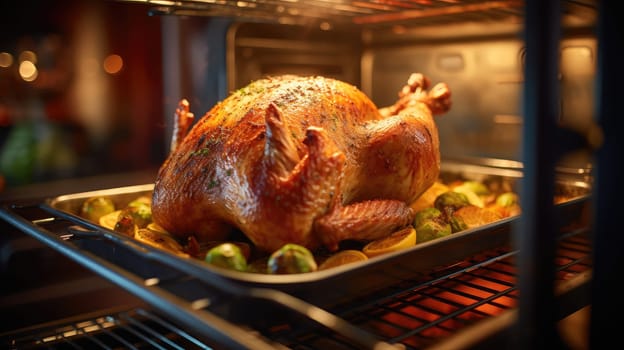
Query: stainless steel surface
[
  {"x": 256, "y": 50},
  {"x": 484, "y": 71}
]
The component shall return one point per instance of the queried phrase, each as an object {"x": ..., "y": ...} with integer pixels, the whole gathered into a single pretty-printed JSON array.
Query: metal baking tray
[{"x": 327, "y": 288}]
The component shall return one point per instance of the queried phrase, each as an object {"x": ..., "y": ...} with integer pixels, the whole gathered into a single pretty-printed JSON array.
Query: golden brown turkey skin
[{"x": 306, "y": 160}]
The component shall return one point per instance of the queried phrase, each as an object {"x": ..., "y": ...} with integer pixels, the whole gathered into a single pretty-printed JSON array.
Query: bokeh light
[
  {"x": 28, "y": 55},
  {"x": 113, "y": 64},
  {"x": 6, "y": 59},
  {"x": 28, "y": 71}
]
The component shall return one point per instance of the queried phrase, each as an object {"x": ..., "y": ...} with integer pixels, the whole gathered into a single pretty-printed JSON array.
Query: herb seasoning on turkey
[{"x": 304, "y": 160}]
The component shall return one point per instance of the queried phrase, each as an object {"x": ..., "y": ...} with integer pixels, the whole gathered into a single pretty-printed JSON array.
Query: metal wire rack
[
  {"x": 417, "y": 312},
  {"x": 132, "y": 329},
  {"x": 329, "y": 13},
  {"x": 421, "y": 312}
]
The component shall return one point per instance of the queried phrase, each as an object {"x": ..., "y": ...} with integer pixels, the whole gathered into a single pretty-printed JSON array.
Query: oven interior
[{"x": 115, "y": 294}]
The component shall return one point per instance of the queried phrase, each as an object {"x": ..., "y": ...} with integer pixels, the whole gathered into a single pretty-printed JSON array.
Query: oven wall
[
  {"x": 482, "y": 66},
  {"x": 193, "y": 54},
  {"x": 486, "y": 80},
  {"x": 256, "y": 50}
]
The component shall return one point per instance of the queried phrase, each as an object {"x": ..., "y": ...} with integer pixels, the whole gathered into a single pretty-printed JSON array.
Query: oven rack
[
  {"x": 189, "y": 295},
  {"x": 328, "y": 13},
  {"x": 137, "y": 328},
  {"x": 439, "y": 306}
]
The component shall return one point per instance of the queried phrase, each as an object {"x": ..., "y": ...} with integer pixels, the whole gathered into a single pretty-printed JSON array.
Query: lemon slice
[
  {"x": 343, "y": 257},
  {"x": 401, "y": 239},
  {"x": 159, "y": 240},
  {"x": 109, "y": 220}
]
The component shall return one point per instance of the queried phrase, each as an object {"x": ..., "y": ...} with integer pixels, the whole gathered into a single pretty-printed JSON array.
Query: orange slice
[
  {"x": 401, "y": 239},
  {"x": 474, "y": 216},
  {"x": 161, "y": 241},
  {"x": 343, "y": 257},
  {"x": 428, "y": 197}
]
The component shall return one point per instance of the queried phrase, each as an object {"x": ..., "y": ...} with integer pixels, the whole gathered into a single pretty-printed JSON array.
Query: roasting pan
[{"x": 327, "y": 288}]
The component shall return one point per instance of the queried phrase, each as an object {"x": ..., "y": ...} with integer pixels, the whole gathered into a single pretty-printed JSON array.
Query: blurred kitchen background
[
  {"x": 81, "y": 90},
  {"x": 89, "y": 87}
]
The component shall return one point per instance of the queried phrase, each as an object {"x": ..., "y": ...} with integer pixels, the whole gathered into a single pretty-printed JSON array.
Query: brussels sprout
[
  {"x": 139, "y": 201},
  {"x": 507, "y": 199},
  {"x": 472, "y": 197},
  {"x": 95, "y": 207},
  {"x": 426, "y": 214},
  {"x": 291, "y": 258},
  {"x": 457, "y": 224},
  {"x": 450, "y": 201},
  {"x": 227, "y": 255},
  {"x": 430, "y": 223},
  {"x": 141, "y": 214},
  {"x": 507, "y": 204},
  {"x": 133, "y": 218},
  {"x": 431, "y": 230},
  {"x": 244, "y": 247}
]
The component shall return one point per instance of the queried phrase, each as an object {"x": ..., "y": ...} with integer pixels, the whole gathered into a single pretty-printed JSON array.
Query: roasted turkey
[{"x": 305, "y": 160}]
